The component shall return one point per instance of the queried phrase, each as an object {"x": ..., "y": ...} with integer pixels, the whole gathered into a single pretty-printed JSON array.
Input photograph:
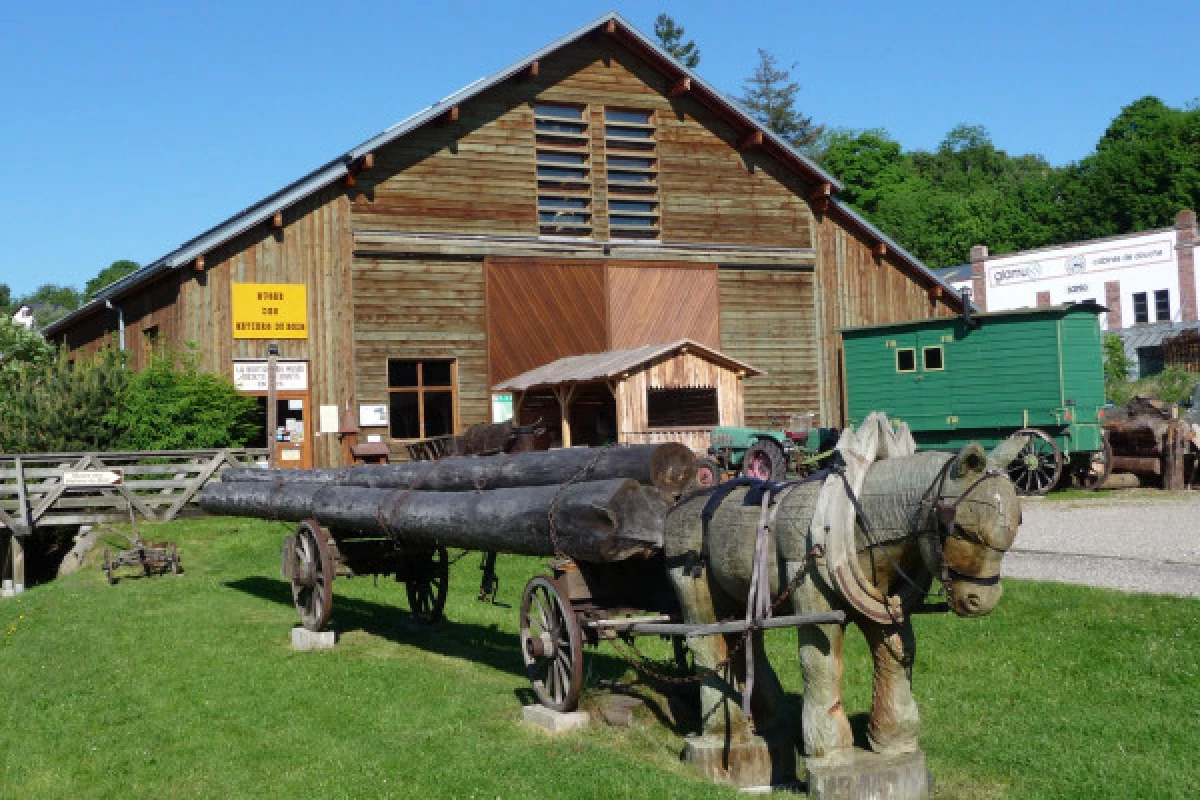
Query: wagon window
[
  {"x": 932, "y": 356},
  {"x": 682, "y": 408},
  {"x": 421, "y": 397},
  {"x": 906, "y": 359}
]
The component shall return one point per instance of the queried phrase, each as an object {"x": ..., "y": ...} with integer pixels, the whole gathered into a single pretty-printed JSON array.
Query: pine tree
[
  {"x": 670, "y": 36},
  {"x": 770, "y": 95}
]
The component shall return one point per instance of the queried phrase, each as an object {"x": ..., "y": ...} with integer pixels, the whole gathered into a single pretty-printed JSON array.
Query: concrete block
[
  {"x": 304, "y": 639},
  {"x": 861, "y": 773},
  {"x": 618, "y": 709},
  {"x": 555, "y": 721}
]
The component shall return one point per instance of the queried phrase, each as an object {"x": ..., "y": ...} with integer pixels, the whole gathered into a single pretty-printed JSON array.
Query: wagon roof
[
  {"x": 1049, "y": 311},
  {"x": 613, "y": 363}
]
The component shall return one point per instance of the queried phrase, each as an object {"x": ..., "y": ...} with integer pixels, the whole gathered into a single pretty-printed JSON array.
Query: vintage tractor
[{"x": 794, "y": 447}]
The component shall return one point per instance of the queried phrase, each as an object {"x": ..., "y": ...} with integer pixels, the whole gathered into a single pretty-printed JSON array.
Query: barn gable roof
[{"x": 337, "y": 169}]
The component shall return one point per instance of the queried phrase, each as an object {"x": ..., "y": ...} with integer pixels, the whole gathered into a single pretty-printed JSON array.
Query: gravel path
[{"x": 1134, "y": 541}]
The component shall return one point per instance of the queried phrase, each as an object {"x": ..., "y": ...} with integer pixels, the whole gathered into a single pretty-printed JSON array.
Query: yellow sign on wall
[{"x": 270, "y": 311}]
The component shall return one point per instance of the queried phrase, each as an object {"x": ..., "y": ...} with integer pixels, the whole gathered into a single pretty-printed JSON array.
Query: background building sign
[
  {"x": 251, "y": 376},
  {"x": 270, "y": 311},
  {"x": 1074, "y": 264}
]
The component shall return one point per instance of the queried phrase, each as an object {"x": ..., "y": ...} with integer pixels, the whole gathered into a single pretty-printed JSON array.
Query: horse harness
[{"x": 946, "y": 515}]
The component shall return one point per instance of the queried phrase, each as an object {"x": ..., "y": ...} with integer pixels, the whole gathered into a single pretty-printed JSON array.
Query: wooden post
[
  {"x": 26, "y": 525},
  {"x": 348, "y": 432},
  {"x": 564, "y": 395},
  {"x": 272, "y": 410}
]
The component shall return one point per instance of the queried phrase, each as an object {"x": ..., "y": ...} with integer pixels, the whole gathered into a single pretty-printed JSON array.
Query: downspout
[{"x": 120, "y": 324}]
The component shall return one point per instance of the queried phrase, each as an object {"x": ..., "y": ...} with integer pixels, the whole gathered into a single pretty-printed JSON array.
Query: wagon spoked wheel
[
  {"x": 552, "y": 645},
  {"x": 312, "y": 575},
  {"x": 108, "y": 568},
  {"x": 765, "y": 461},
  {"x": 175, "y": 570},
  {"x": 1038, "y": 467},
  {"x": 1096, "y": 469},
  {"x": 708, "y": 473},
  {"x": 427, "y": 594}
]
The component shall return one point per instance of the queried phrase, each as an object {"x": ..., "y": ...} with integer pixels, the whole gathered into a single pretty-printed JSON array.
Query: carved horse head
[{"x": 977, "y": 512}]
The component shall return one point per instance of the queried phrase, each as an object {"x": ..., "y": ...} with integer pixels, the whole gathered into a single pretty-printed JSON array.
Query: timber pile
[
  {"x": 606, "y": 505},
  {"x": 1150, "y": 441}
]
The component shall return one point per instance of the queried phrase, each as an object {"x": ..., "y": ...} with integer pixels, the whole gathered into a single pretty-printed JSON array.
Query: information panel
[{"x": 270, "y": 311}]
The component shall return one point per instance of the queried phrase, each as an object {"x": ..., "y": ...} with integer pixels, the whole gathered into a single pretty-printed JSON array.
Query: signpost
[{"x": 93, "y": 478}]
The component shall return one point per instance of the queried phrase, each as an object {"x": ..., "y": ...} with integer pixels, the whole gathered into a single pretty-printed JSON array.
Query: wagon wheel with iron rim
[
  {"x": 108, "y": 568},
  {"x": 1094, "y": 472},
  {"x": 312, "y": 575},
  {"x": 765, "y": 460},
  {"x": 551, "y": 644},
  {"x": 708, "y": 473},
  {"x": 427, "y": 594},
  {"x": 1038, "y": 467},
  {"x": 175, "y": 568}
]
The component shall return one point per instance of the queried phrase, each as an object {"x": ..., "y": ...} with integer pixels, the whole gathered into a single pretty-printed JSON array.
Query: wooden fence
[{"x": 43, "y": 489}]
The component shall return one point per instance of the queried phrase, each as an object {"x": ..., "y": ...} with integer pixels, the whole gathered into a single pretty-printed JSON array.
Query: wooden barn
[{"x": 594, "y": 196}]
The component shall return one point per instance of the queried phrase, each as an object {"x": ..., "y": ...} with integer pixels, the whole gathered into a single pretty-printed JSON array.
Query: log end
[{"x": 672, "y": 467}]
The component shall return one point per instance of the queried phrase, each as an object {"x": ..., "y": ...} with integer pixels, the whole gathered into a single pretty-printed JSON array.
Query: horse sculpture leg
[
  {"x": 895, "y": 720},
  {"x": 719, "y": 712},
  {"x": 826, "y": 728}
]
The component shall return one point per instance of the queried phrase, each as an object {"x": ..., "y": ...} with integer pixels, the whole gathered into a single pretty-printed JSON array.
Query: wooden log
[
  {"x": 1138, "y": 465},
  {"x": 669, "y": 467},
  {"x": 607, "y": 520}
]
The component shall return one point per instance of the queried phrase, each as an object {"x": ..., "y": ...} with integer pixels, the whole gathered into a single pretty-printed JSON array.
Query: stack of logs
[
  {"x": 587, "y": 504},
  {"x": 1150, "y": 442}
]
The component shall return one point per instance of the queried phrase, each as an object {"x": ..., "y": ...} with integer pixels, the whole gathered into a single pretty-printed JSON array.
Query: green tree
[
  {"x": 172, "y": 405},
  {"x": 19, "y": 346},
  {"x": 6, "y": 301},
  {"x": 670, "y": 36},
  {"x": 51, "y": 302},
  {"x": 770, "y": 95},
  {"x": 110, "y": 274},
  {"x": 1117, "y": 365}
]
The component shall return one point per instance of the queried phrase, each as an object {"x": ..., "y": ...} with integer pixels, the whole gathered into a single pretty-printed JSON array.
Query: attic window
[
  {"x": 564, "y": 170},
  {"x": 631, "y": 170}
]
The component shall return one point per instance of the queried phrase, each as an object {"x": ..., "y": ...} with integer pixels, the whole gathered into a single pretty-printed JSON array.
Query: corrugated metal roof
[
  {"x": 339, "y": 167},
  {"x": 1152, "y": 335},
  {"x": 610, "y": 364},
  {"x": 951, "y": 274}
]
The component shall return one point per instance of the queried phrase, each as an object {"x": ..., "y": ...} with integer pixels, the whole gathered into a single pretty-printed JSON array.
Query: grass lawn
[{"x": 187, "y": 687}]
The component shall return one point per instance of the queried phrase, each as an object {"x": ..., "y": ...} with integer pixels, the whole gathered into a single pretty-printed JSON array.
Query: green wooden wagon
[{"x": 986, "y": 376}]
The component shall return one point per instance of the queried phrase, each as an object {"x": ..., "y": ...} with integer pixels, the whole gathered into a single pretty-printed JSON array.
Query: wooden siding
[
  {"x": 855, "y": 287},
  {"x": 540, "y": 310},
  {"x": 420, "y": 308},
  {"x": 154, "y": 308},
  {"x": 312, "y": 248},
  {"x": 477, "y": 175},
  {"x": 767, "y": 320},
  {"x": 650, "y": 304}
]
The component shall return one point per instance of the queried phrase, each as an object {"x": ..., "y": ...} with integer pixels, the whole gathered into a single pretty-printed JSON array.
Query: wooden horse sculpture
[{"x": 918, "y": 516}]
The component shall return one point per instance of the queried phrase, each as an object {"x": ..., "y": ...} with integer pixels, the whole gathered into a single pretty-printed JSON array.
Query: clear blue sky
[{"x": 128, "y": 128}]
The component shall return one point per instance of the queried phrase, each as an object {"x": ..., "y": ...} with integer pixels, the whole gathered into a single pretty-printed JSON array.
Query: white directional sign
[{"x": 94, "y": 477}]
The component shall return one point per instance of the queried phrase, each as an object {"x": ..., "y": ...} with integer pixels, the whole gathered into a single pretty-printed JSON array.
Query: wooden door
[{"x": 294, "y": 430}]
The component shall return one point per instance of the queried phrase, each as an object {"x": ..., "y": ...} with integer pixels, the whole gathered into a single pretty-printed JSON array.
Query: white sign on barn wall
[{"x": 251, "y": 376}]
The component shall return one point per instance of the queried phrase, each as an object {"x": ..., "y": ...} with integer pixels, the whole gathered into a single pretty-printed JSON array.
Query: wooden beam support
[
  {"x": 448, "y": 116},
  {"x": 368, "y": 161},
  {"x": 752, "y": 139},
  {"x": 198, "y": 265},
  {"x": 530, "y": 72},
  {"x": 880, "y": 249},
  {"x": 610, "y": 27},
  {"x": 681, "y": 86},
  {"x": 819, "y": 197},
  {"x": 277, "y": 220}
]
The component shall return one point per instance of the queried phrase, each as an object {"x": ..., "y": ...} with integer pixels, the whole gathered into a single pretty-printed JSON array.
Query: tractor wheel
[
  {"x": 765, "y": 461},
  {"x": 708, "y": 473}
]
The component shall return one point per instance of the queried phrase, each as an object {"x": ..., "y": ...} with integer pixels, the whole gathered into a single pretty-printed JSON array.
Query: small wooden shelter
[{"x": 673, "y": 392}]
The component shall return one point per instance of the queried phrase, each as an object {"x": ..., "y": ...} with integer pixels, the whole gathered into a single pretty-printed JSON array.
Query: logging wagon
[
  {"x": 983, "y": 377},
  {"x": 597, "y": 512}
]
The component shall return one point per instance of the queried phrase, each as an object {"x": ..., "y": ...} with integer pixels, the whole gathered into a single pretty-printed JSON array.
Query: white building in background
[
  {"x": 1142, "y": 278},
  {"x": 23, "y": 316}
]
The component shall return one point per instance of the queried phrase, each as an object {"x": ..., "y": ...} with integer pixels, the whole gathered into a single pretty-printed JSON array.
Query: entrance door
[{"x": 293, "y": 431}]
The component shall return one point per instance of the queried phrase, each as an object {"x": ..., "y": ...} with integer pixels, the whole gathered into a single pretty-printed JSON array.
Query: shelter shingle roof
[{"x": 612, "y": 363}]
